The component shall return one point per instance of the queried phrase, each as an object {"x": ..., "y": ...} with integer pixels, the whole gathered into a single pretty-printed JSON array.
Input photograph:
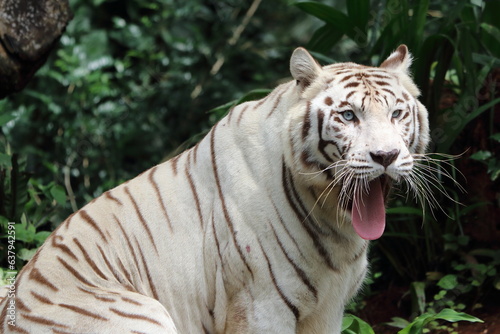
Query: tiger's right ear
[{"x": 304, "y": 67}]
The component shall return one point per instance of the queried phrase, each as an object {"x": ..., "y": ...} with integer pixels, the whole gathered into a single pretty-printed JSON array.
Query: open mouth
[
  {"x": 385, "y": 183},
  {"x": 367, "y": 208}
]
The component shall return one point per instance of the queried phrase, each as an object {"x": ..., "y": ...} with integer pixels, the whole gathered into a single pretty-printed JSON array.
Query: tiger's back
[{"x": 227, "y": 237}]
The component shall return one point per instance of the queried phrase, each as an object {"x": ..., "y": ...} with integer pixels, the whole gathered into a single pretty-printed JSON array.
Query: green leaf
[
  {"x": 481, "y": 155},
  {"x": 495, "y": 174},
  {"x": 398, "y": 322},
  {"x": 452, "y": 133},
  {"x": 254, "y": 95},
  {"x": 328, "y": 15},
  {"x": 59, "y": 194},
  {"x": 496, "y": 137},
  {"x": 347, "y": 322},
  {"x": 353, "y": 324},
  {"x": 418, "y": 325},
  {"x": 5, "y": 160},
  {"x": 348, "y": 331},
  {"x": 448, "y": 282},
  {"x": 359, "y": 12},
  {"x": 324, "y": 38},
  {"x": 250, "y": 96},
  {"x": 6, "y": 118},
  {"x": 463, "y": 240},
  {"x": 496, "y": 284},
  {"x": 404, "y": 210},
  {"x": 451, "y": 315},
  {"x": 25, "y": 232},
  {"x": 26, "y": 254},
  {"x": 418, "y": 23},
  {"x": 472, "y": 207},
  {"x": 417, "y": 291},
  {"x": 492, "y": 30},
  {"x": 40, "y": 237},
  {"x": 223, "y": 109}
]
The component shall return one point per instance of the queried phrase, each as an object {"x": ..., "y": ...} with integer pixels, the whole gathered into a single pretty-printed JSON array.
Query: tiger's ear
[
  {"x": 399, "y": 60},
  {"x": 304, "y": 67}
]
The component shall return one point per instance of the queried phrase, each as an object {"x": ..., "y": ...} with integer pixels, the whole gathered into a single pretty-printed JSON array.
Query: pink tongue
[{"x": 368, "y": 212}]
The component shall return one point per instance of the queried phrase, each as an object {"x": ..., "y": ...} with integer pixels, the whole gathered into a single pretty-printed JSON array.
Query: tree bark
[{"x": 29, "y": 29}]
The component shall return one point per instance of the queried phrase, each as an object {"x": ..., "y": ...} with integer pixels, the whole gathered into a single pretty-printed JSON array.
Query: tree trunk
[{"x": 29, "y": 29}]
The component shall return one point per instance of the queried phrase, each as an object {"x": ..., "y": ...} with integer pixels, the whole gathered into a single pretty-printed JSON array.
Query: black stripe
[
  {"x": 287, "y": 231},
  {"x": 158, "y": 197},
  {"x": 57, "y": 244},
  {"x": 37, "y": 276},
  {"x": 195, "y": 195},
  {"x": 83, "y": 312},
  {"x": 205, "y": 330},
  {"x": 135, "y": 316},
  {"x": 216, "y": 240},
  {"x": 108, "y": 195},
  {"x": 148, "y": 272},
  {"x": 306, "y": 125},
  {"x": 416, "y": 126},
  {"x": 89, "y": 220},
  {"x": 75, "y": 273},
  {"x": 42, "y": 321},
  {"x": 288, "y": 303},
  {"x": 223, "y": 202},
  {"x": 300, "y": 273},
  {"x": 174, "y": 161},
  {"x": 276, "y": 103},
  {"x": 89, "y": 260},
  {"x": 111, "y": 268},
  {"x": 141, "y": 219},
  {"x": 129, "y": 243},
  {"x": 195, "y": 152},
  {"x": 291, "y": 192},
  {"x": 322, "y": 143},
  {"x": 41, "y": 298},
  {"x": 131, "y": 301},
  {"x": 389, "y": 91},
  {"x": 230, "y": 114},
  {"x": 241, "y": 113}
]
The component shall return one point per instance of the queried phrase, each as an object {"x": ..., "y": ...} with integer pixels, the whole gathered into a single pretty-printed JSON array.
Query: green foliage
[
  {"x": 425, "y": 313},
  {"x": 474, "y": 272},
  {"x": 132, "y": 80},
  {"x": 418, "y": 325},
  {"x": 489, "y": 159},
  {"x": 24, "y": 200},
  {"x": 354, "y": 325}
]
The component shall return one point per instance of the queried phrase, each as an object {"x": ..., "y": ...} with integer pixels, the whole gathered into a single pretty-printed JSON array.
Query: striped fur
[{"x": 237, "y": 234}]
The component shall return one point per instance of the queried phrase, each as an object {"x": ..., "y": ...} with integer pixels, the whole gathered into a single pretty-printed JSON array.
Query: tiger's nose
[{"x": 384, "y": 158}]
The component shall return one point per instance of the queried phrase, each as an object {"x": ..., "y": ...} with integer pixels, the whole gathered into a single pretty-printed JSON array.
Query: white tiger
[{"x": 262, "y": 227}]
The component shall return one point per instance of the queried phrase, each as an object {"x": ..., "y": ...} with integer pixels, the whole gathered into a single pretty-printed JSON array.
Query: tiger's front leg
[{"x": 259, "y": 312}]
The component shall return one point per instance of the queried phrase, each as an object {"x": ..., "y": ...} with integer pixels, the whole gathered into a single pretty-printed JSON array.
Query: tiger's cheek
[
  {"x": 408, "y": 129},
  {"x": 335, "y": 136}
]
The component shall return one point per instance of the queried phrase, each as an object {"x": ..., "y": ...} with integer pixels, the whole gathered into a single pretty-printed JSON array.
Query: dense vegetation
[{"x": 132, "y": 82}]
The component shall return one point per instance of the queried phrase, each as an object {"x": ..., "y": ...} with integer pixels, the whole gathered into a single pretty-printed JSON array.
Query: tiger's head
[{"x": 357, "y": 129}]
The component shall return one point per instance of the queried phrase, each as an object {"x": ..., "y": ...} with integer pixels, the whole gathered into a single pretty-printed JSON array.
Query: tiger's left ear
[
  {"x": 304, "y": 67},
  {"x": 399, "y": 60}
]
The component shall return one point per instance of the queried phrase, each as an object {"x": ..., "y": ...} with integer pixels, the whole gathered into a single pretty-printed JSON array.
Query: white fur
[{"x": 230, "y": 262}]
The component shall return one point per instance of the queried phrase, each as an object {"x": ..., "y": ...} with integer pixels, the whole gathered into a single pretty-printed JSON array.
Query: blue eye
[
  {"x": 348, "y": 115},
  {"x": 396, "y": 113}
]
